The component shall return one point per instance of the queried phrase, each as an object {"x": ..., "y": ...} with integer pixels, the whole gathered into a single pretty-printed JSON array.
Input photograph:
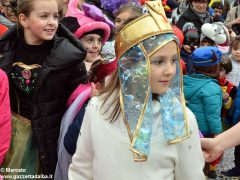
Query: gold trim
[
  {"x": 160, "y": 46},
  {"x": 183, "y": 102},
  {"x": 123, "y": 114},
  {"x": 140, "y": 119},
  {"x": 25, "y": 120},
  {"x": 137, "y": 154},
  {"x": 26, "y": 67}
]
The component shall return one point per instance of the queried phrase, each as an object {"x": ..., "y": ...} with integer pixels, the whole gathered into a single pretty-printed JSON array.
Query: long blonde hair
[{"x": 112, "y": 88}]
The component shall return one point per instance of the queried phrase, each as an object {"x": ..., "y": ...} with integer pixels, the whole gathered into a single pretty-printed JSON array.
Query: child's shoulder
[
  {"x": 95, "y": 102},
  {"x": 99, "y": 99},
  {"x": 102, "y": 103}
]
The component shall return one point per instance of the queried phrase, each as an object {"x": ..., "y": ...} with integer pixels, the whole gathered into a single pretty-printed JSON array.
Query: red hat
[{"x": 179, "y": 34}]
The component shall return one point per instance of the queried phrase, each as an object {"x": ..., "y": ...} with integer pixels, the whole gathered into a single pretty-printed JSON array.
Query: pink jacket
[{"x": 5, "y": 116}]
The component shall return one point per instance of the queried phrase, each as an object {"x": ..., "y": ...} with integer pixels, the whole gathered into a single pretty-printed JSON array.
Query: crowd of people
[{"x": 121, "y": 89}]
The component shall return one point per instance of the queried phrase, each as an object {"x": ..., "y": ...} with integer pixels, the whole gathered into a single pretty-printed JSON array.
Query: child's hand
[
  {"x": 225, "y": 97},
  {"x": 211, "y": 149}
]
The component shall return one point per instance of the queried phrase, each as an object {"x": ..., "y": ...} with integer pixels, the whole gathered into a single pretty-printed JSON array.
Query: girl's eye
[
  {"x": 43, "y": 16},
  {"x": 89, "y": 40},
  {"x": 56, "y": 16},
  {"x": 157, "y": 61},
  {"x": 174, "y": 60},
  {"x": 118, "y": 20}
]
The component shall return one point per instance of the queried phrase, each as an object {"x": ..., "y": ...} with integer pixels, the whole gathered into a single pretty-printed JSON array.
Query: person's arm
[
  {"x": 231, "y": 19},
  {"x": 5, "y": 116},
  {"x": 229, "y": 138},
  {"x": 214, "y": 147},
  {"x": 82, "y": 161},
  {"x": 79, "y": 76}
]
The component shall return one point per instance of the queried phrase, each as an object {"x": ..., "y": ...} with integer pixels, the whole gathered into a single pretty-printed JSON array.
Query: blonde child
[{"x": 143, "y": 112}]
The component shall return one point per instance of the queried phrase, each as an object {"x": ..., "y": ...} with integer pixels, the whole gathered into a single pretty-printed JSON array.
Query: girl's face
[
  {"x": 93, "y": 44},
  {"x": 42, "y": 23},
  {"x": 236, "y": 53},
  {"x": 163, "y": 68},
  {"x": 121, "y": 19}
]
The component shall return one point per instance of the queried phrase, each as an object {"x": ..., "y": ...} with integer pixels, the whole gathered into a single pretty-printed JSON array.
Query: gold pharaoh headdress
[{"x": 134, "y": 45}]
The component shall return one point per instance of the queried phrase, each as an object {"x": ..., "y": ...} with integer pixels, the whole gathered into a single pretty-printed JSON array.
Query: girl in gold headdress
[{"x": 139, "y": 127}]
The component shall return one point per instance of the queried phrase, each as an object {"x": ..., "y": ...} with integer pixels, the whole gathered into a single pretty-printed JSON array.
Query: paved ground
[{"x": 227, "y": 163}]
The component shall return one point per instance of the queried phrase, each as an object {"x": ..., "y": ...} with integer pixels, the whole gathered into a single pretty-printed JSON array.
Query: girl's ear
[{"x": 23, "y": 20}]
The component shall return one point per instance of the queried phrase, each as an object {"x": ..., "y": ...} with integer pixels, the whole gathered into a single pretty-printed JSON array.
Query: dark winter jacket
[
  {"x": 190, "y": 16},
  {"x": 187, "y": 60},
  {"x": 71, "y": 137},
  {"x": 204, "y": 97},
  {"x": 61, "y": 72}
]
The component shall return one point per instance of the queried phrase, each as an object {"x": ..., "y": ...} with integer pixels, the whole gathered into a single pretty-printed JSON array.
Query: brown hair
[
  {"x": 226, "y": 63},
  {"x": 211, "y": 71},
  {"x": 92, "y": 77},
  {"x": 25, "y": 7},
  {"x": 135, "y": 9},
  {"x": 108, "y": 91}
]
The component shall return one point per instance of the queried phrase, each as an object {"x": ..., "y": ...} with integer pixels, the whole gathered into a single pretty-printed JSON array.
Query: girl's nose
[
  {"x": 96, "y": 44},
  {"x": 170, "y": 68}
]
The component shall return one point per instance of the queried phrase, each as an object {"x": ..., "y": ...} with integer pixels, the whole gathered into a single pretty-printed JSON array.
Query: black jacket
[
  {"x": 61, "y": 72},
  {"x": 190, "y": 16}
]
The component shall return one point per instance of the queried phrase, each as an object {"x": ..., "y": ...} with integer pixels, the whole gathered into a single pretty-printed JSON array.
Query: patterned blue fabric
[{"x": 136, "y": 97}]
